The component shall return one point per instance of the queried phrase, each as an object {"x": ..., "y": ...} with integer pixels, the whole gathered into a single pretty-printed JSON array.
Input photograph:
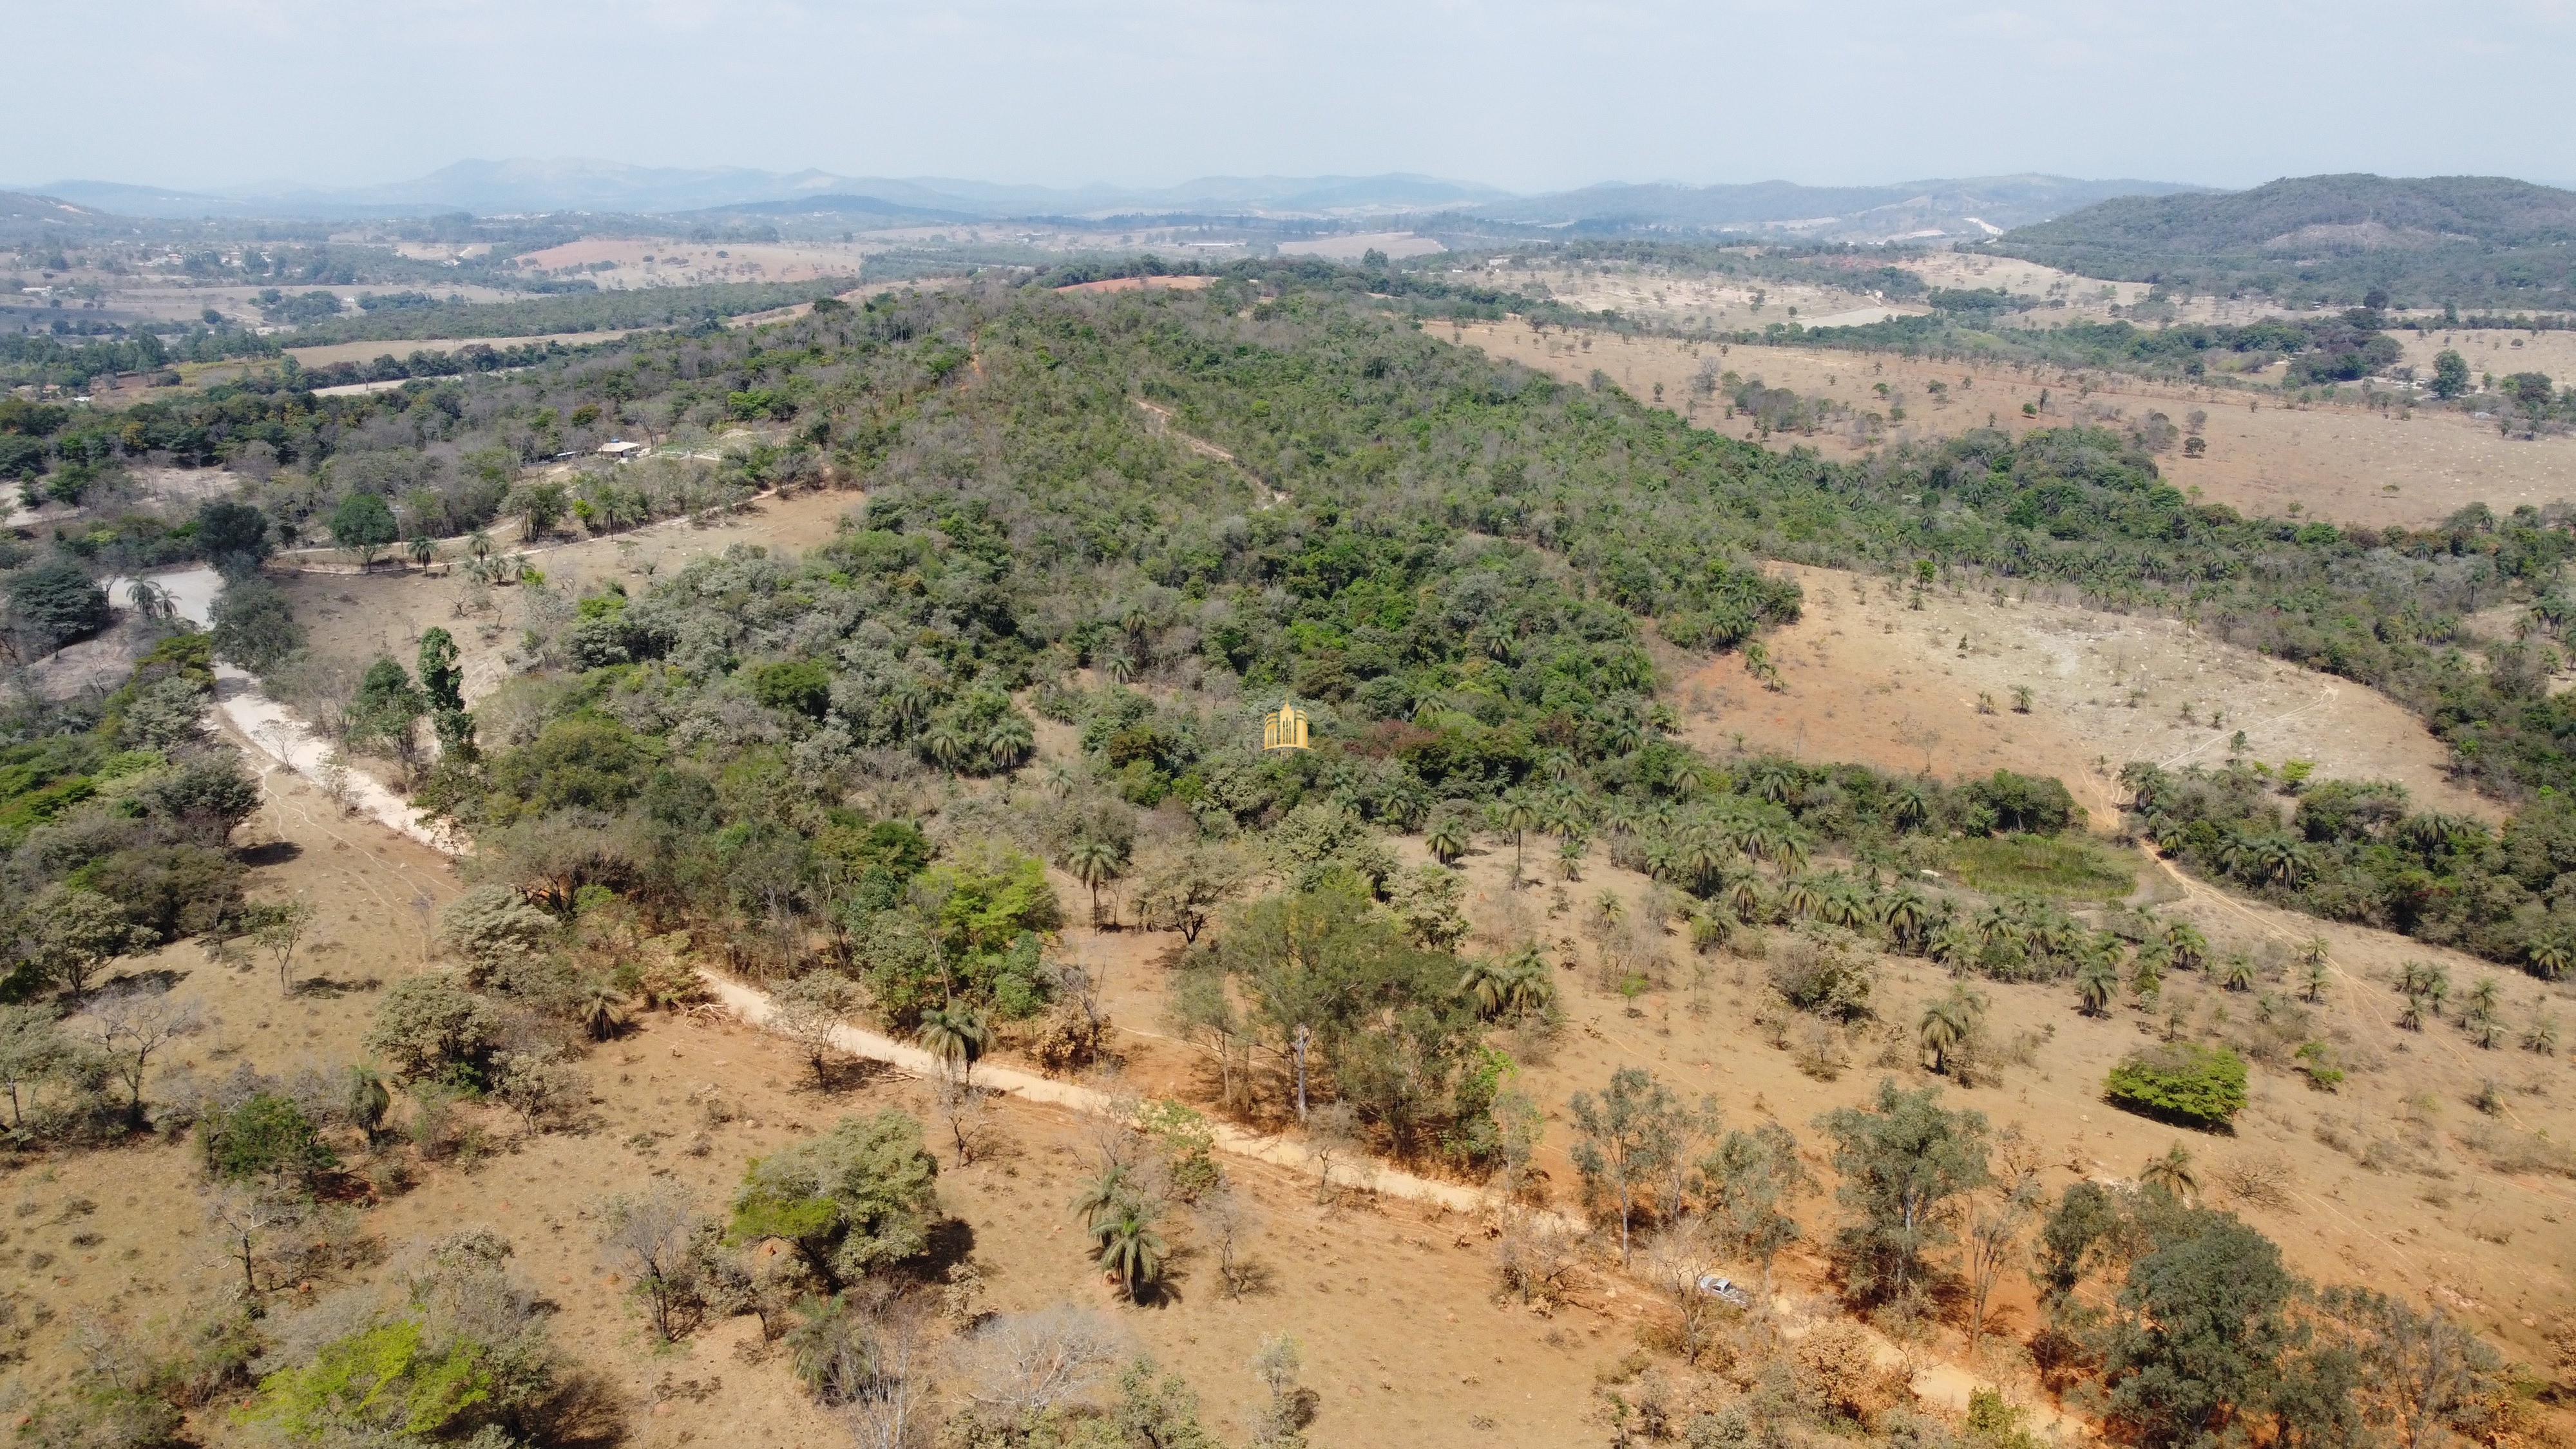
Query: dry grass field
[
  {"x": 664, "y": 262},
  {"x": 1866, "y": 677},
  {"x": 2333, "y": 460}
]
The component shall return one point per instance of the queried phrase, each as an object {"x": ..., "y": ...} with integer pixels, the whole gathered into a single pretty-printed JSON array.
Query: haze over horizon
[{"x": 224, "y": 95}]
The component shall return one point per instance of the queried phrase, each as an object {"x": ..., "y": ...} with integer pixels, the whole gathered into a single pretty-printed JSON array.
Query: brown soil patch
[
  {"x": 1868, "y": 678},
  {"x": 688, "y": 264},
  {"x": 1141, "y": 284},
  {"x": 2335, "y": 461}
]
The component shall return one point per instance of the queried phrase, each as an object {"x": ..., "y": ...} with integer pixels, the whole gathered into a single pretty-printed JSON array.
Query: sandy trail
[
  {"x": 753, "y": 1006},
  {"x": 274, "y": 731}
]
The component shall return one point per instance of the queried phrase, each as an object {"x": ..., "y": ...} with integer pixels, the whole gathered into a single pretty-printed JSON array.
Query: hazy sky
[{"x": 1531, "y": 96}]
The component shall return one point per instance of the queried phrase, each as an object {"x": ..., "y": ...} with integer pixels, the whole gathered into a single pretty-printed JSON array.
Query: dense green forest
[{"x": 2470, "y": 241}]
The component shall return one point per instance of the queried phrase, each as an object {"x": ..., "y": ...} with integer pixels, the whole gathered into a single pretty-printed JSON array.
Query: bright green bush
[
  {"x": 266, "y": 1139},
  {"x": 2182, "y": 1082}
]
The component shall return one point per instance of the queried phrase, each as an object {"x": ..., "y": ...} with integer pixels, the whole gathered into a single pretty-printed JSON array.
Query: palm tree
[
  {"x": 2314, "y": 978},
  {"x": 1095, "y": 862},
  {"x": 2236, "y": 973},
  {"x": 2551, "y": 956},
  {"x": 911, "y": 699},
  {"x": 1778, "y": 781},
  {"x": 1799, "y": 897},
  {"x": 150, "y": 600},
  {"x": 2425, "y": 979},
  {"x": 1527, "y": 986},
  {"x": 1447, "y": 839},
  {"x": 946, "y": 746},
  {"x": 2190, "y": 947},
  {"x": 1956, "y": 945},
  {"x": 1106, "y": 1194},
  {"x": 2146, "y": 975},
  {"x": 1744, "y": 897},
  {"x": 1910, "y": 806},
  {"x": 1008, "y": 742},
  {"x": 603, "y": 1011},
  {"x": 1843, "y": 902},
  {"x": 2484, "y": 996},
  {"x": 2173, "y": 1172},
  {"x": 1905, "y": 914},
  {"x": 2412, "y": 1016},
  {"x": 1948, "y": 1023},
  {"x": 955, "y": 1035},
  {"x": 1131, "y": 1251},
  {"x": 424, "y": 550},
  {"x": 1515, "y": 814},
  {"x": 1118, "y": 666},
  {"x": 2095, "y": 984},
  {"x": 1705, "y": 857},
  {"x": 1687, "y": 779},
  {"x": 1485, "y": 982}
]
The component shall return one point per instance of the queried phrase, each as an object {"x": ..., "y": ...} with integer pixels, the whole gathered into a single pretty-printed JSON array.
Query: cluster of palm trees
[
  {"x": 998, "y": 748},
  {"x": 2426, "y": 985},
  {"x": 1508, "y": 988}
]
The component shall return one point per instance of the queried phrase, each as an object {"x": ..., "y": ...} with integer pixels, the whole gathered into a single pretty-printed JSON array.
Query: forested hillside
[{"x": 2482, "y": 241}]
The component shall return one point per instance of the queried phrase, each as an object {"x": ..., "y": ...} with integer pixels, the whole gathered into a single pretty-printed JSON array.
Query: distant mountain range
[
  {"x": 1978, "y": 207},
  {"x": 490, "y": 188},
  {"x": 2471, "y": 241},
  {"x": 1919, "y": 209}
]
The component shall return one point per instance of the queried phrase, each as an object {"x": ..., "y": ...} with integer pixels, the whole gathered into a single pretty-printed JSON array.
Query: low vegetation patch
[
  {"x": 2180, "y": 1082},
  {"x": 2062, "y": 866}
]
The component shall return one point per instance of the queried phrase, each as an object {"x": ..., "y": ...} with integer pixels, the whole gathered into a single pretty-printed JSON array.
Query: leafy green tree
[
  {"x": 75, "y": 933},
  {"x": 2201, "y": 1328},
  {"x": 442, "y": 682},
  {"x": 1903, "y": 1163},
  {"x": 1322, "y": 969},
  {"x": 429, "y": 1026},
  {"x": 55, "y": 602},
  {"x": 1749, "y": 1179},
  {"x": 234, "y": 536},
  {"x": 363, "y": 525},
  {"x": 385, "y": 712},
  {"x": 1628, "y": 1135},
  {"x": 858, "y": 1198},
  {"x": 254, "y": 626},
  {"x": 2450, "y": 374}
]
